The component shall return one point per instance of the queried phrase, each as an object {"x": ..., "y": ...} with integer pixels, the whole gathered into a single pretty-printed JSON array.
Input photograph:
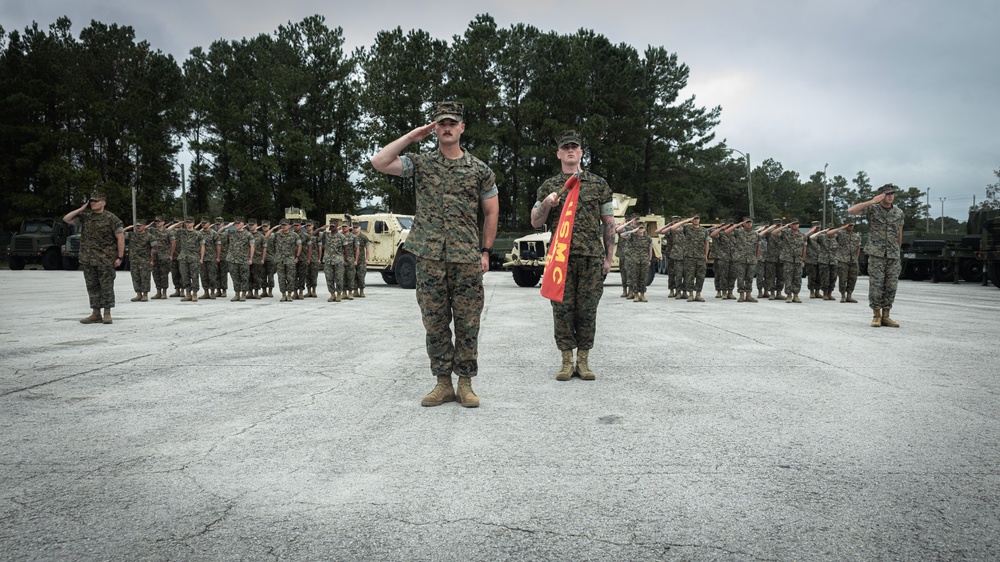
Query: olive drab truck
[
  {"x": 40, "y": 240},
  {"x": 526, "y": 260},
  {"x": 387, "y": 253},
  {"x": 972, "y": 256}
]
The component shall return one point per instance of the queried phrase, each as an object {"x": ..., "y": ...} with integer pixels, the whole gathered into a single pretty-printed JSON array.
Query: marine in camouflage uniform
[
  {"x": 332, "y": 246},
  {"x": 161, "y": 258},
  {"x": 885, "y": 233},
  {"x": 812, "y": 263},
  {"x": 827, "y": 258},
  {"x": 451, "y": 260},
  {"x": 257, "y": 284},
  {"x": 312, "y": 274},
  {"x": 350, "y": 261},
  {"x": 744, "y": 257},
  {"x": 239, "y": 256},
  {"x": 287, "y": 246},
  {"x": 140, "y": 252},
  {"x": 696, "y": 245},
  {"x": 302, "y": 266},
  {"x": 222, "y": 269},
  {"x": 676, "y": 260},
  {"x": 187, "y": 246},
  {"x": 590, "y": 254},
  {"x": 848, "y": 247},
  {"x": 102, "y": 245},
  {"x": 621, "y": 252},
  {"x": 362, "y": 268},
  {"x": 175, "y": 265},
  {"x": 209, "y": 267},
  {"x": 640, "y": 253},
  {"x": 722, "y": 267},
  {"x": 791, "y": 251},
  {"x": 270, "y": 265}
]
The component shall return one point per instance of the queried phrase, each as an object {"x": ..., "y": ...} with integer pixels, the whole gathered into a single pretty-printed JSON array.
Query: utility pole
[
  {"x": 184, "y": 199},
  {"x": 942, "y": 213},
  {"x": 927, "y": 228},
  {"x": 824, "y": 194}
]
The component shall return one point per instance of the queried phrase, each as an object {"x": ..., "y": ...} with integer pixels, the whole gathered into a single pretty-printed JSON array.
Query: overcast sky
[{"x": 905, "y": 90}]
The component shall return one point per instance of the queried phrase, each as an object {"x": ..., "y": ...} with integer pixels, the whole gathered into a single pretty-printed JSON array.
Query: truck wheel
[
  {"x": 389, "y": 278},
  {"x": 525, "y": 277},
  {"x": 70, "y": 264},
  {"x": 971, "y": 270},
  {"x": 51, "y": 260},
  {"x": 919, "y": 270},
  {"x": 16, "y": 263},
  {"x": 406, "y": 271}
]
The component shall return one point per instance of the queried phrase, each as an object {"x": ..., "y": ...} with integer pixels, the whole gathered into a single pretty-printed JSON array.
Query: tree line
[{"x": 289, "y": 119}]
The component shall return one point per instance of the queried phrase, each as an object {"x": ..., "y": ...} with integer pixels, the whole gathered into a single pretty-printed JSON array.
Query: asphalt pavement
[{"x": 292, "y": 431}]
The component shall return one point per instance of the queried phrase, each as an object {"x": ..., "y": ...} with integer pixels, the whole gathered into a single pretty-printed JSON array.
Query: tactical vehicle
[
  {"x": 947, "y": 257},
  {"x": 387, "y": 233},
  {"x": 39, "y": 240},
  {"x": 71, "y": 251},
  {"x": 526, "y": 259}
]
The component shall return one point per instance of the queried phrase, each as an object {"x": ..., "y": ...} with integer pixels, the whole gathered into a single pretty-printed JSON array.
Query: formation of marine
[{"x": 257, "y": 258}]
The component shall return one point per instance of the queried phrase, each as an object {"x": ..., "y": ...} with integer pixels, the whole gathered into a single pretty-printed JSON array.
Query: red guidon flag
[{"x": 557, "y": 258}]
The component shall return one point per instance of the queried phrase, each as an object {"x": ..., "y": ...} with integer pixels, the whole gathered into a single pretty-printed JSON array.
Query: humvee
[
  {"x": 527, "y": 258},
  {"x": 388, "y": 255}
]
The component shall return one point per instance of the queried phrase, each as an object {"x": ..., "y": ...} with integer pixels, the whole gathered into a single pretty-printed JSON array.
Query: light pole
[
  {"x": 928, "y": 227},
  {"x": 942, "y": 213},
  {"x": 824, "y": 194},
  {"x": 749, "y": 179}
]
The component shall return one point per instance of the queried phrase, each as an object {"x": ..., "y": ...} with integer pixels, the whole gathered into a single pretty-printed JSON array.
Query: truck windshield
[
  {"x": 405, "y": 222},
  {"x": 37, "y": 227}
]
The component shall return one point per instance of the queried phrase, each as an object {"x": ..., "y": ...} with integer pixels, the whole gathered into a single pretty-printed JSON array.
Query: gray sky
[{"x": 905, "y": 90}]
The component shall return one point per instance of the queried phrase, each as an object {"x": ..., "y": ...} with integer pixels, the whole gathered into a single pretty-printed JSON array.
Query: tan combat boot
[
  {"x": 466, "y": 397},
  {"x": 331, "y": 299},
  {"x": 635, "y": 297},
  {"x": 145, "y": 297},
  {"x": 886, "y": 321},
  {"x": 441, "y": 393},
  {"x": 582, "y": 366},
  {"x": 843, "y": 297},
  {"x": 236, "y": 297},
  {"x": 176, "y": 293},
  {"x": 565, "y": 371},
  {"x": 876, "y": 318},
  {"x": 690, "y": 298},
  {"x": 624, "y": 292},
  {"x": 338, "y": 297},
  {"x": 242, "y": 295},
  {"x": 788, "y": 297},
  {"x": 795, "y": 298},
  {"x": 718, "y": 294},
  {"x": 187, "y": 296},
  {"x": 94, "y": 318},
  {"x": 194, "y": 296},
  {"x": 750, "y": 297},
  {"x": 107, "y": 316},
  {"x": 361, "y": 293},
  {"x": 812, "y": 293},
  {"x": 729, "y": 295},
  {"x": 850, "y": 298},
  {"x": 697, "y": 297},
  {"x": 348, "y": 295},
  {"x": 670, "y": 295},
  {"x": 642, "y": 297},
  {"x": 136, "y": 298},
  {"x": 204, "y": 294},
  {"x": 155, "y": 297},
  {"x": 742, "y": 297}
]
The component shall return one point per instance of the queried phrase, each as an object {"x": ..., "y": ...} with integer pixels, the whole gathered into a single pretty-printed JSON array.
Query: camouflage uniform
[
  {"x": 270, "y": 264},
  {"x": 773, "y": 276},
  {"x": 257, "y": 281},
  {"x": 721, "y": 252},
  {"x": 286, "y": 245},
  {"x": 621, "y": 251},
  {"x": 302, "y": 267},
  {"x": 827, "y": 258},
  {"x": 98, "y": 251},
  {"x": 222, "y": 270},
  {"x": 761, "y": 270},
  {"x": 575, "y": 318},
  {"x": 744, "y": 255},
  {"x": 790, "y": 243},
  {"x": 812, "y": 263},
  {"x": 209, "y": 265},
  {"x": 240, "y": 243},
  {"x": 445, "y": 239},
  {"x": 332, "y": 243},
  {"x": 676, "y": 261},
  {"x": 312, "y": 275},
  {"x": 188, "y": 248},
  {"x": 695, "y": 260},
  {"x": 350, "y": 272},
  {"x": 161, "y": 267},
  {"x": 847, "y": 259},
  {"x": 637, "y": 256},
  {"x": 362, "y": 267},
  {"x": 883, "y": 254},
  {"x": 140, "y": 253}
]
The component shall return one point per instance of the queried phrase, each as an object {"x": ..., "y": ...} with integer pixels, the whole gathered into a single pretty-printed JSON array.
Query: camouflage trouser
[
  {"x": 100, "y": 282},
  {"x": 773, "y": 277},
  {"x": 334, "y": 273},
  {"x": 694, "y": 273},
  {"x": 270, "y": 270},
  {"x": 883, "y": 275},
  {"x": 175, "y": 273},
  {"x": 241, "y": 276},
  {"x": 624, "y": 269},
  {"x": 301, "y": 273},
  {"x": 848, "y": 273},
  {"x": 812, "y": 272},
  {"x": 189, "y": 273},
  {"x": 447, "y": 291},
  {"x": 140, "y": 275},
  {"x": 350, "y": 277},
  {"x": 287, "y": 277},
  {"x": 673, "y": 275},
  {"x": 827, "y": 277},
  {"x": 761, "y": 277},
  {"x": 257, "y": 277},
  {"x": 359, "y": 276},
  {"x": 743, "y": 272},
  {"x": 223, "y": 276},
  {"x": 793, "y": 276},
  {"x": 161, "y": 274},
  {"x": 209, "y": 273},
  {"x": 720, "y": 274},
  {"x": 678, "y": 273},
  {"x": 312, "y": 276},
  {"x": 638, "y": 274},
  {"x": 575, "y": 318}
]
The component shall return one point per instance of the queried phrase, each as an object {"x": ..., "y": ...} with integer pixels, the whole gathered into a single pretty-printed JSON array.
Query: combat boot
[
  {"x": 582, "y": 365},
  {"x": 750, "y": 298},
  {"x": 441, "y": 393},
  {"x": 361, "y": 293},
  {"x": 690, "y": 298},
  {"x": 624, "y": 293},
  {"x": 742, "y": 298},
  {"x": 107, "y": 316},
  {"x": 236, "y": 297},
  {"x": 204, "y": 294},
  {"x": 338, "y": 298},
  {"x": 642, "y": 297},
  {"x": 670, "y": 295},
  {"x": 136, "y": 298},
  {"x": 187, "y": 296},
  {"x": 348, "y": 295},
  {"x": 886, "y": 321},
  {"x": 718, "y": 294},
  {"x": 331, "y": 299},
  {"x": 795, "y": 298},
  {"x": 194, "y": 296},
  {"x": 697, "y": 297},
  {"x": 788, "y": 297},
  {"x": 681, "y": 295},
  {"x": 729, "y": 295},
  {"x": 243, "y": 296},
  {"x": 466, "y": 397},
  {"x": 297, "y": 295},
  {"x": 565, "y": 371},
  {"x": 156, "y": 297},
  {"x": 850, "y": 298},
  {"x": 145, "y": 297},
  {"x": 94, "y": 318},
  {"x": 876, "y": 318},
  {"x": 176, "y": 293},
  {"x": 635, "y": 297},
  {"x": 843, "y": 297}
]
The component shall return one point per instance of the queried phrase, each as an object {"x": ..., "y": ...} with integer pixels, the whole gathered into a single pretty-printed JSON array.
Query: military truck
[
  {"x": 387, "y": 233},
  {"x": 948, "y": 257},
  {"x": 71, "y": 251},
  {"x": 526, "y": 260},
  {"x": 39, "y": 240}
]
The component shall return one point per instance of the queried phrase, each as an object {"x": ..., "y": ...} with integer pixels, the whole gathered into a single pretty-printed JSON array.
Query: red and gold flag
[{"x": 557, "y": 258}]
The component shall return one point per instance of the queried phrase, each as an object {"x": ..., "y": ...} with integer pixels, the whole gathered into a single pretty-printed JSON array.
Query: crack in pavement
[{"x": 87, "y": 372}]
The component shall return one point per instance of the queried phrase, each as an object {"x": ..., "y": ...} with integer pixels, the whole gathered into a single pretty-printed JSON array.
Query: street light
[
  {"x": 942, "y": 213},
  {"x": 749, "y": 179},
  {"x": 824, "y": 194}
]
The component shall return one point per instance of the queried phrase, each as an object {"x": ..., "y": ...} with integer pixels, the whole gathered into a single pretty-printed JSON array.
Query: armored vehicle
[
  {"x": 526, "y": 260},
  {"x": 39, "y": 240},
  {"x": 387, "y": 233}
]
